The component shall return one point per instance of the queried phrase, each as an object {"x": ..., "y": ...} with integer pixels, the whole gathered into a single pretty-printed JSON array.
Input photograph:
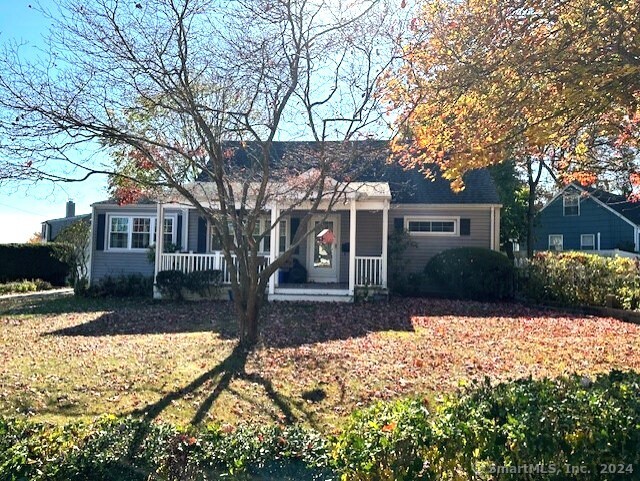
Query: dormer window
[{"x": 571, "y": 204}]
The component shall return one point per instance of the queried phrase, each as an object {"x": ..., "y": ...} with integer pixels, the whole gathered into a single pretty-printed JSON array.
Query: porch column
[
  {"x": 273, "y": 254},
  {"x": 156, "y": 292},
  {"x": 352, "y": 247},
  {"x": 385, "y": 242}
]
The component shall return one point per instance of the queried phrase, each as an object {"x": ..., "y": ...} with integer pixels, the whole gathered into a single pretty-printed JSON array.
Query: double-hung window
[
  {"x": 445, "y": 226},
  {"x": 135, "y": 232},
  {"x": 556, "y": 242},
  {"x": 571, "y": 204},
  {"x": 587, "y": 242}
]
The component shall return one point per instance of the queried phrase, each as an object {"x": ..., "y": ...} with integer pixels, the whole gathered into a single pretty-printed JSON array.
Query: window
[
  {"x": 587, "y": 242},
  {"x": 571, "y": 204},
  {"x": 137, "y": 232},
  {"x": 431, "y": 226},
  {"x": 141, "y": 235},
  {"x": 119, "y": 233},
  {"x": 555, "y": 242}
]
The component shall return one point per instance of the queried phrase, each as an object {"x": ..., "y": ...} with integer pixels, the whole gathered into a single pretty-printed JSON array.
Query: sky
[{"x": 24, "y": 206}]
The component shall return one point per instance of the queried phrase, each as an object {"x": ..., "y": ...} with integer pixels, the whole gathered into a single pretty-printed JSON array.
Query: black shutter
[
  {"x": 202, "y": 235},
  {"x": 179, "y": 233},
  {"x": 465, "y": 226},
  {"x": 398, "y": 224},
  {"x": 102, "y": 221},
  {"x": 295, "y": 223}
]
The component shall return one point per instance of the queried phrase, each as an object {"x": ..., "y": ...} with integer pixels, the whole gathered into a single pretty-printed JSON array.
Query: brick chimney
[{"x": 71, "y": 208}]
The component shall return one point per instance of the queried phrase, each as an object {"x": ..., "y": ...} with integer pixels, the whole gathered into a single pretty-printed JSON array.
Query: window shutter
[
  {"x": 465, "y": 226},
  {"x": 398, "y": 224},
  {"x": 102, "y": 221},
  {"x": 179, "y": 233},
  {"x": 295, "y": 223},
  {"x": 202, "y": 235}
]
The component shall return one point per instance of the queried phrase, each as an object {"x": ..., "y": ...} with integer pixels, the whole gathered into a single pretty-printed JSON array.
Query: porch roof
[{"x": 284, "y": 192}]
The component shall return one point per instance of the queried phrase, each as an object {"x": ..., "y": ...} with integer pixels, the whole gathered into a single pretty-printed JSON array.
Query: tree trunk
[{"x": 248, "y": 305}]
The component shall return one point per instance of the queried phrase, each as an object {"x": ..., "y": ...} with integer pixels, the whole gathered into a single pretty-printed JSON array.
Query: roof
[
  {"x": 408, "y": 186},
  {"x": 617, "y": 202},
  {"x": 69, "y": 219}
]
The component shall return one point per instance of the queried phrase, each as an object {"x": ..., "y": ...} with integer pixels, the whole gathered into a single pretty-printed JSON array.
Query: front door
[{"x": 323, "y": 249}]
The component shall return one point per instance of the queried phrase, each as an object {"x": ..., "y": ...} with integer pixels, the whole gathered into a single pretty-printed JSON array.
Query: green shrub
[
  {"x": 130, "y": 285},
  {"x": 202, "y": 282},
  {"x": 570, "y": 421},
  {"x": 25, "y": 286},
  {"x": 473, "y": 273},
  {"x": 388, "y": 441},
  {"x": 577, "y": 278},
  {"x": 34, "y": 261},
  {"x": 171, "y": 283}
]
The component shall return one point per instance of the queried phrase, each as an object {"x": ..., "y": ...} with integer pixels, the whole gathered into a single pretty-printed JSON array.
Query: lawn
[{"x": 69, "y": 358}]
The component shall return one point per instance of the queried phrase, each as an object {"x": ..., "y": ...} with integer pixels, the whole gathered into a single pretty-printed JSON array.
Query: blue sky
[{"x": 24, "y": 206}]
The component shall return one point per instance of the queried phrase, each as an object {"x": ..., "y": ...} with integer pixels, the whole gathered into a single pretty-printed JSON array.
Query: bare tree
[{"x": 172, "y": 90}]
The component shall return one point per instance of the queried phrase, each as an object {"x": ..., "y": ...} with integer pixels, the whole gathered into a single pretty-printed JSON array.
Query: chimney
[{"x": 71, "y": 209}]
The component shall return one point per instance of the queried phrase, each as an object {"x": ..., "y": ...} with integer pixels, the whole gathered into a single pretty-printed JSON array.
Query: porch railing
[
  {"x": 201, "y": 262},
  {"x": 368, "y": 271}
]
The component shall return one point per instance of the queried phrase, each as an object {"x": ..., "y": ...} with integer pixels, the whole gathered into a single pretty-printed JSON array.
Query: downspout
[
  {"x": 493, "y": 229},
  {"x": 598, "y": 241}
]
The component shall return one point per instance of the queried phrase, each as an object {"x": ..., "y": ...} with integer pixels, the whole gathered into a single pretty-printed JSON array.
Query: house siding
[
  {"x": 118, "y": 263},
  {"x": 427, "y": 246},
  {"x": 593, "y": 219}
]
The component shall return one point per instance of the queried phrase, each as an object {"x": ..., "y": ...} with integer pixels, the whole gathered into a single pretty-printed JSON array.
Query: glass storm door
[{"x": 323, "y": 250}]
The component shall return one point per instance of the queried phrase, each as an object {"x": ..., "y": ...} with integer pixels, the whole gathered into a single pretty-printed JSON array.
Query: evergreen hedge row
[
  {"x": 33, "y": 261},
  {"x": 571, "y": 428}
]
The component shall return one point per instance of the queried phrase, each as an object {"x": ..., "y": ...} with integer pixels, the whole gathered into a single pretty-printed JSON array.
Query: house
[
  {"x": 51, "y": 228},
  {"x": 584, "y": 218},
  {"x": 350, "y": 246}
]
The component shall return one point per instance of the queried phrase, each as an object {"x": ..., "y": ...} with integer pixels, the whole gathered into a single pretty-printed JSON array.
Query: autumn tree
[
  {"x": 552, "y": 84},
  {"x": 173, "y": 90}
]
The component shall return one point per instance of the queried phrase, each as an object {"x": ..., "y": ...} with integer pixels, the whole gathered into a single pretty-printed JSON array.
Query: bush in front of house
[
  {"x": 21, "y": 287},
  {"x": 559, "y": 425},
  {"x": 473, "y": 273},
  {"x": 129, "y": 285},
  {"x": 578, "y": 278},
  {"x": 571, "y": 428},
  {"x": 33, "y": 261}
]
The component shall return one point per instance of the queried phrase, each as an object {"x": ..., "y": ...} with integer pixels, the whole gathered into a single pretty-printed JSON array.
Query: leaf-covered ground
[{"x": 70, "y": 358}]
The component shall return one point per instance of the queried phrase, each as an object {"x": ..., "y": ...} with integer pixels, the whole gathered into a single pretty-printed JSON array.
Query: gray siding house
[
  {"x": 583, "y": 218},
  {"x": 52, "y": 227},
  {"x": 386, "y": 198}
]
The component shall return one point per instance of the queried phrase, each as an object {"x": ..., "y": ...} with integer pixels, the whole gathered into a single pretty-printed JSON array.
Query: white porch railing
[
  {"x": 201, "y": 262},
  {"x": 368, "y": 271}
]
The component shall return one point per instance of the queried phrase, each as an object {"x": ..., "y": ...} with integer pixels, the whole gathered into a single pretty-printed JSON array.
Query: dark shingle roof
[
  {"x": 407, "y": 186},
  {"x": 619, "y": 203}
]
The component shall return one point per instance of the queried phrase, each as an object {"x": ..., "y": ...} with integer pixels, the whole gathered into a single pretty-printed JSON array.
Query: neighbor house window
[
  {"x": 556, "y": 242},
  {"x": 137, "y": 232},
  {"x": 571, "y": 204},
  {"x": 587, "y": 242},
  {"x": 431, "y": 226}
]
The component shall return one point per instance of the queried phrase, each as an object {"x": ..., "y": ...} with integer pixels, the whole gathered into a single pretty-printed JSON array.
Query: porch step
[{"x": 311, "y": 297}]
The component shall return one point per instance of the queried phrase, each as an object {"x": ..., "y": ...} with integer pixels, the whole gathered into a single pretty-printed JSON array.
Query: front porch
[{"x": 326, "y": 266}]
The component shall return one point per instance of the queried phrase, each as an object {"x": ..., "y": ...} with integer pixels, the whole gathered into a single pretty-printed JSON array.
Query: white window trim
[
  {"x": 130, "y": 218},
  {"x": 588, "y": 247},
  {"x": 564, "y": 204},
  {"x": 455, "y": 220},
  {"x": 264, "y": 224},
  {"x": 561, "y": 238}
]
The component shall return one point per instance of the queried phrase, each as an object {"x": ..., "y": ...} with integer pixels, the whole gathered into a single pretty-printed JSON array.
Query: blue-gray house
[{"x": 584, "y": 218}]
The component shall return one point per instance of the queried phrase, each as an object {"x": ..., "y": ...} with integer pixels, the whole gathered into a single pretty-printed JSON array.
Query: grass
[{"x": 69, "y": 358}]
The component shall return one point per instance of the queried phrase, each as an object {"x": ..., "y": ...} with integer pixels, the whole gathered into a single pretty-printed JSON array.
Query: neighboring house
[
  {"x": 51, "y": 228},
  {"x": 584, "y": 218},
  {"x": 386, "y": 197}
]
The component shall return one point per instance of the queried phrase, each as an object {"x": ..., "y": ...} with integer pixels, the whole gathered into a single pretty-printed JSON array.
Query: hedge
[
  {"x": 570, "y": 428},
  {"x": 33, "y": 261},
  {"x": 578, "y": 278},
  {"x": 473, "y": 273}
]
